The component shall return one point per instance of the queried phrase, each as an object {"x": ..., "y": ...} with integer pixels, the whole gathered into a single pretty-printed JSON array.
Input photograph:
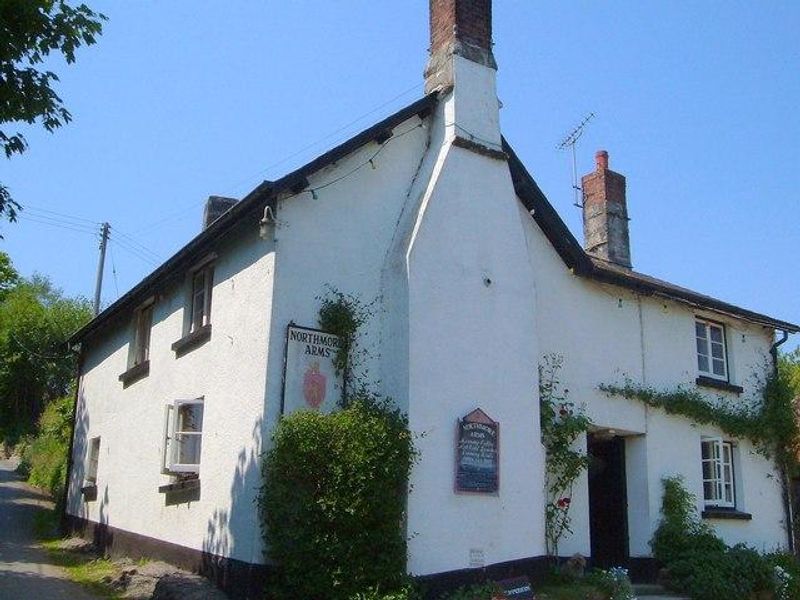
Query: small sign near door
[
  {"x": 310, "y": 380},
  {"x": 477, "y": 454},
  {"x": 516, "y": 588}
]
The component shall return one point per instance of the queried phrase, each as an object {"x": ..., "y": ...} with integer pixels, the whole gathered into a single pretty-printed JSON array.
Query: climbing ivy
[
  {"x": 561, "y": 423},
  {"x": 342, "y": 315},
  {"x": 767, "y": 421}
]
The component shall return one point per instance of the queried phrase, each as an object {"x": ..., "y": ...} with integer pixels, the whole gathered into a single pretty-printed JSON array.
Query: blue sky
[{"x": 697, "y": 104}]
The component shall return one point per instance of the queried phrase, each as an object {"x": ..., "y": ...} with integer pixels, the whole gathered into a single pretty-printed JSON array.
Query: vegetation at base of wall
[
  {"x": 561, "y": 424},
  {"x": 700, "y": 564},
  {"x": 332, "y": 504},
  {"x": 44, "y": 455}
]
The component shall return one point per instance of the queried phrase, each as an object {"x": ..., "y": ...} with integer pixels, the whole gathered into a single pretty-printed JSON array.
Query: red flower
[{"x": 563, "y": 502}]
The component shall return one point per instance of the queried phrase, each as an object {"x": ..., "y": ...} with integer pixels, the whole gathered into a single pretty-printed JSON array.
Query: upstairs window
[
  {"x": 92, "y": 459},
  {"x": 200, "y": 309},
  {"x": 183, "y": 436},
  {"x": 141, "y": 338},
  {"x": 711, "y": 356},
  {"x": 718, "y": 483}
]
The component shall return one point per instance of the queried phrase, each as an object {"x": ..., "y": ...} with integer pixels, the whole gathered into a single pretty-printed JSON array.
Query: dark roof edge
[
  {"x": 576, "y": 258},
  {"x": 263, "y": 193}
]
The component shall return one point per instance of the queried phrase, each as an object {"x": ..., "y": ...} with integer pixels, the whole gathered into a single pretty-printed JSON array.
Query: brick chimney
[
  {"x": 215, "y": 207},
  {"x": 458, "y": 28},
  {"x": 605, "y": 214}
]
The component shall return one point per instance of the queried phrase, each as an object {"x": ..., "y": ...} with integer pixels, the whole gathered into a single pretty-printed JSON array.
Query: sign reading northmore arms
[{"x": 310, "y": 379}]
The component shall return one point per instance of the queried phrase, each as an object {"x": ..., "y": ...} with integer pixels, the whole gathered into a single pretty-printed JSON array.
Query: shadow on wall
[
  {"x": 80, "y": 496},
  {"x": 236, "y": 530}
]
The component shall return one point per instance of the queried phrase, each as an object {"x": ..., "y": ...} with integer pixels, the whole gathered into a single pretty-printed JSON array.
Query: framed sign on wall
[
  {"x": 477, "y": 454},
  {"x": 310, "y": 380}
]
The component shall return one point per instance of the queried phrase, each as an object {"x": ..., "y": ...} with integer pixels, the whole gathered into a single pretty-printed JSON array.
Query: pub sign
[{"x": 310, "y": 380}]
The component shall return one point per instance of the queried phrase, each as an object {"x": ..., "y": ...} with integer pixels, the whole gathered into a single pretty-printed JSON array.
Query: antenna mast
[{"x": 570, "y": 142}]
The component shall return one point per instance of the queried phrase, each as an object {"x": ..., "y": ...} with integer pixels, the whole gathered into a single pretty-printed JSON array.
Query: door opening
[{"x": 608, "y": 501}]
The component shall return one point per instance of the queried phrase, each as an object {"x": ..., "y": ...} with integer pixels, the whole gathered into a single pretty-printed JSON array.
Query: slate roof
[{"x": 568, "y": 248}]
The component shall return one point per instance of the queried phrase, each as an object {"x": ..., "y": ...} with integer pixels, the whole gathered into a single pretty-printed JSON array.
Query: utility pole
[{"x": 100, "y": 264}]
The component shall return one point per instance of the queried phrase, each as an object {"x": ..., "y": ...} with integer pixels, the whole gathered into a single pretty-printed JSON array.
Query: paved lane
[{"x": 25, "y": 569}]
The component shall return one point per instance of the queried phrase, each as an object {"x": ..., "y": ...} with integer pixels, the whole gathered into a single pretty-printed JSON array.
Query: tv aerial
[{"x": 570, "y": 142}]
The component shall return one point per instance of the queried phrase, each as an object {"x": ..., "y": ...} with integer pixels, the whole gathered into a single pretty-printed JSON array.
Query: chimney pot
[
  {"x": 601, "y": 159},
  {"x": 605, "y": 213},
  {"x": 216, "y": 206}
]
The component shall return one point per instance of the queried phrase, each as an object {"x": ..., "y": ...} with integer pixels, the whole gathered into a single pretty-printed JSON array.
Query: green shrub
[
  {"x": 788, "y": 577},
  {"x": 333, "y": 500},
  {"x": 613, "y": 583},
  {"x": 44, "y": 457},
  {"x": 700, "y": 563}
]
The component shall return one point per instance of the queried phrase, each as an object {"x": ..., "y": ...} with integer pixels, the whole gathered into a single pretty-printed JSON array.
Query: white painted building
[{"x": 478, "y": 278}]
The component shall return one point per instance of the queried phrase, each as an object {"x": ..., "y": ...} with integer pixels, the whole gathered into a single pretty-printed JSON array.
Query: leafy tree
[
  {"x": 789, "y": 366},
  {"x": 35, "y": 364},
  {"x": 8, "y": 275},
  {"x": 30, "y": 30}
]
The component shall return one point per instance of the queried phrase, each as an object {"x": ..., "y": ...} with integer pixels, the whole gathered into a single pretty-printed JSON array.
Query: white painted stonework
[{"x": 471, "y": 296}]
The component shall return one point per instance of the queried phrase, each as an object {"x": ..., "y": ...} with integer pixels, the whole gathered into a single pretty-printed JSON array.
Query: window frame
[
  {"x": 708, "y": 325},
  {"x": 169, "y": 464},
  {"x": 92, "y": 460},
  {"x": 142, "y": 333},
  {"x": 723, "y": 477},
  {"x": 206, "y": 271}
]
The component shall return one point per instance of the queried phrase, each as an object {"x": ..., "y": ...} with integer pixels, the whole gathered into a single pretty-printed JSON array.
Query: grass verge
[{"x": 83, "y": 568}]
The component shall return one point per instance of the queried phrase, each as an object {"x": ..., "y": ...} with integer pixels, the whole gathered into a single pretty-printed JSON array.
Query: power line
[
  {"x": 136, "y": 243},
  {"x": 61, "y": 225},
  {"x": 327, "y": 137},
  {"x": 129, "y": 248},
  {"x": 177, "y": 214},
  {"x": 36, "y": 209},
  {"x": 114, "y": 268}
]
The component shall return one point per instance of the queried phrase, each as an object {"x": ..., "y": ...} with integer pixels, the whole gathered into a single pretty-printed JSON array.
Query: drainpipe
[{"x": 785, "y": 481}]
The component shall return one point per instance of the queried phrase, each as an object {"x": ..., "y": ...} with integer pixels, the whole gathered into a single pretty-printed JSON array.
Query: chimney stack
[
  {"x": 605, "y": 214},
  {"x": 215, "y": 207},
  {"x": 458, "y": 28}
]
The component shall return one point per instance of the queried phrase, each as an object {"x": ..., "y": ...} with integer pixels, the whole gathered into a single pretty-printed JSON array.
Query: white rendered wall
[
  {"x": 228, "y": 371},
  {"x": 606, "y": 334}
]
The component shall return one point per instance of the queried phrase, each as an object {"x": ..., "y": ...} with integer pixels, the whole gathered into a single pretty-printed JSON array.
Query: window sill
[
  {"x": 192, "y": 340},
  {"x": 718, "y": 384},
  {"x": 190, "y": 483},
  {"x": 726, "y": 513},
  {"x": 135, "y": 373},
  {"x": 89, "y": 492}
]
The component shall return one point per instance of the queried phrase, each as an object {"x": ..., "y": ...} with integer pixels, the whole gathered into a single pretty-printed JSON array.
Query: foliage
[
  {"x": 44, "y": 457},
  {"x": 408, "y": 592},
  {"x": 767, "y": 421},
  {"x": 613, "y": 583},
  {"x": 86, "y": 569},
  {"x": 478, "y": 591},
  {"x": 30, "y": 30},
  {"x": 333, "y": 500},
  {"x": 786, "y": 572},
  {"x": 8, "y": 275},
  {"x": 342, "y": 314},
  {"x": 36, "y": 366},
  {"x": 561, "y": 424},
  {"x": 700, "y": 564},
  {"x": 789, "y": 366}
]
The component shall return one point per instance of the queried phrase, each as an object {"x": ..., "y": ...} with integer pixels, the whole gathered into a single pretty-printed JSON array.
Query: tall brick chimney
[
  {"x": 458, "y": 28},
  {"x": 605, "y": 214}
]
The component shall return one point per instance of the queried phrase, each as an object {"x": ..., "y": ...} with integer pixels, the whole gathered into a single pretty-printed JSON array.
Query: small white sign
[{"x": 310, "y": 380}]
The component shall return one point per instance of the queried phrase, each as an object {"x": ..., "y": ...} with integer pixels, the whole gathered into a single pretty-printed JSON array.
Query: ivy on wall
[
  {"x": 561, "y": 423},
  {"x": 767, "y": 421}
]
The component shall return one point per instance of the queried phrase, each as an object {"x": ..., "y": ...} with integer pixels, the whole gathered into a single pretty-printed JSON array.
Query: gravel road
[{"x": 25, "y": 569}]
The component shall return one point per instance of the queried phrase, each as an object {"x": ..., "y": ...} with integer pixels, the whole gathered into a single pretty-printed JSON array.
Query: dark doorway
[{"x": 608, "y": 501}]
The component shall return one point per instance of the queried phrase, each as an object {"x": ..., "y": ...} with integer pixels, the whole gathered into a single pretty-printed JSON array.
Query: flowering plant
[
  {"x": 615, "y": 583},
  {"x": 561, "y": 425}
]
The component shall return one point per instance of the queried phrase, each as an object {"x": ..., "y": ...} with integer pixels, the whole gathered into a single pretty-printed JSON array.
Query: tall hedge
[{"x": 333, "y": 500}]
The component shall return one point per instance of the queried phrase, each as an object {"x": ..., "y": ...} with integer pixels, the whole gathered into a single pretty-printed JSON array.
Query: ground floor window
[
  {"x": 718, "y": 475},
  {"x": 183, "y": 436},
  {"x": 92, "y": 459}
]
